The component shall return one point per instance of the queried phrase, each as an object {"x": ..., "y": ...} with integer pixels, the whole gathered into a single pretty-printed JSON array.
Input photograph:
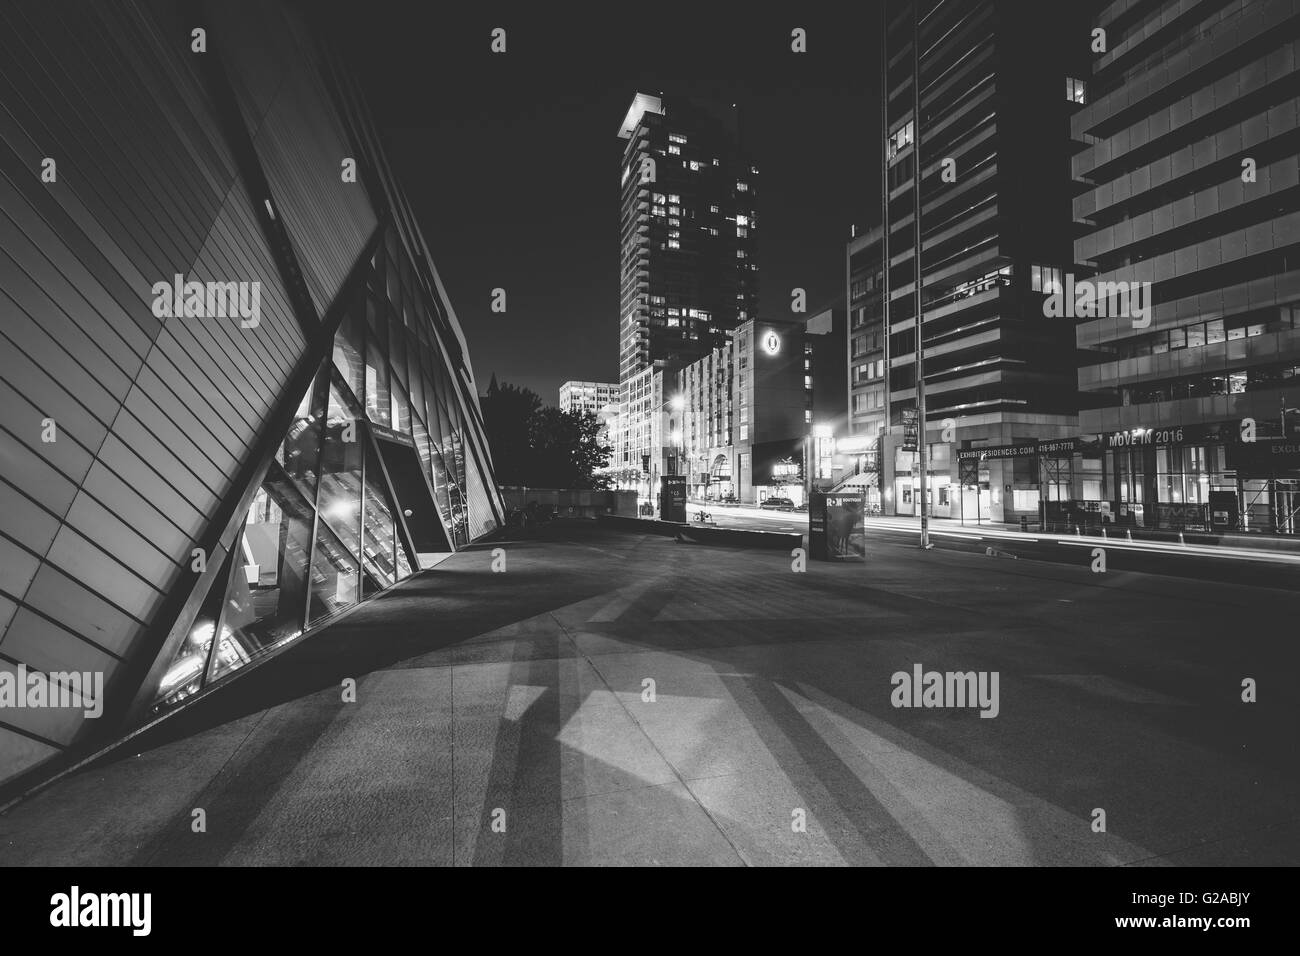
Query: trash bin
[{"x": 1024, "y": 523}]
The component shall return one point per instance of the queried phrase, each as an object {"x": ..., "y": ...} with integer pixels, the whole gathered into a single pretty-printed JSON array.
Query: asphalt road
[{"x": 1214, "y": 564}]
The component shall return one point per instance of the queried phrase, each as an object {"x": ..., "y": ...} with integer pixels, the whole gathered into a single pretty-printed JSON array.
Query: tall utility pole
[
  {"x": 884, "y": 251},
  {"x": 916, "y": 226}
]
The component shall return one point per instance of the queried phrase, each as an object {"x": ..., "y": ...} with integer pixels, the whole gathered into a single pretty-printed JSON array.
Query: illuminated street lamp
[
  {"x": 676, "y": 438},
  {"x": 676, "y": 402}
]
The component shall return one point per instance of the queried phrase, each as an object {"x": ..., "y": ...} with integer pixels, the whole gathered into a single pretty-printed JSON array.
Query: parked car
[{"x": 777, "y": 504}]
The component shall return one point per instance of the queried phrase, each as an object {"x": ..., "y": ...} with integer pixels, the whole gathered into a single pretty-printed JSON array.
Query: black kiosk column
[
  {"x": 672, "y": 497},
  {"x": 835, "y": 529}
]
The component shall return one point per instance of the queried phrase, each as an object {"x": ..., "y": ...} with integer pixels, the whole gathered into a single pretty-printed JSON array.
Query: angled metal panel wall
[
  {"x": 166, "y": 426},
  {"x": 151, "y": 415}
]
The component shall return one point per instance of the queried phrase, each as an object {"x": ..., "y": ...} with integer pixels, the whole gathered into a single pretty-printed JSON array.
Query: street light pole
[
  {"x": 921, "y": 448},
  {"x": 808, "y": 443}
]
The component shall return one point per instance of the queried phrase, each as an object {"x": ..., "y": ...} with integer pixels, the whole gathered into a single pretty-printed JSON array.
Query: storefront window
[
  {"x": 379, "y": 541},
  {"x": 267, "y": 591},
  {"x": 378, "y": 396},
  {"x": 1024, "y": 499},
  {"x": 185, "y": 676},
  {"x": 335, "y": 577},
  {"x": 299, "y": 452},
  {"x": 350, "y": 350},
  {"x": 340, "y": 488},
  {"x": 401, "y": 420}
]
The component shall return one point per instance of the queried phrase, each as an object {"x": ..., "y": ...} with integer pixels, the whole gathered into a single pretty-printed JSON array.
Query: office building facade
[
  {"x": 826, "y": 409},
  {"x": 750, "y": 416},
  {"x": 687, "y": 269},
  {"x": 237, "y": 402},
  {"x": 996, "y": 95},
  {"x": 644, "y": 423},
  {"x": 1189, "y": 182},
  {"x": 593, "y": 397},
  {"x": 688, "y": 232},
  {"x": 861, "y": 444}
]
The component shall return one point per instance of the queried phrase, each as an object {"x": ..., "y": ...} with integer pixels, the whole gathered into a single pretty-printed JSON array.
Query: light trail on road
[{"x": 909, "y": 526}]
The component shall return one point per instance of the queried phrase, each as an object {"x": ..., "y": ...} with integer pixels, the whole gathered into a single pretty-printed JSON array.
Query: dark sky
[{"x": 512, "y": 161}]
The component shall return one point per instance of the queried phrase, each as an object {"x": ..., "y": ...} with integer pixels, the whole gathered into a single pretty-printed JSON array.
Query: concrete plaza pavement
[{"x": 506, "y": 718}]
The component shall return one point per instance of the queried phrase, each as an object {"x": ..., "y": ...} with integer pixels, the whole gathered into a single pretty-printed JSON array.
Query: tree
[
  {"x": 507, "y": 420},
  {"x": 567, "y": 450},
  {"x": 539, "y": 446},
  {"x": 591, "y": 453}
]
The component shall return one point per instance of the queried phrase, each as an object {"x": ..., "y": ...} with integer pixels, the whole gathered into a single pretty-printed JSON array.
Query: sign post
[{"x": 969, "y": 471}]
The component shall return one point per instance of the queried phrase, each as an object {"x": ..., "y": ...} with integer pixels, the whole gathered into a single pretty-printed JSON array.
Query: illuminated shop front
[
  {"x": 907, "y": 481},
  {"x": 718, "y": 484},
  {"x": 785, "y": 480},
  {"x": 1203, "y": 477},
  {"x": 1044, "y": 481},
  {"x": 859, "y": 460}
]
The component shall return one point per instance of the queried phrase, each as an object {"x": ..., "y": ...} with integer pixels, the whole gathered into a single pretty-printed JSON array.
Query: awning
[{"x": 864, "y": 479}]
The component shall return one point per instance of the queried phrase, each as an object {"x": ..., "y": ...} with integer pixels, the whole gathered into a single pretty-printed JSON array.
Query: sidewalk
[{"x": 618, "y": 698}]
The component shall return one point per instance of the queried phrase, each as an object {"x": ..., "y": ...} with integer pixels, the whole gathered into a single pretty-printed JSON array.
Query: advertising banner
[
  {"x": 909, "y": 429},
  {"x": 1263, "y": 458}
]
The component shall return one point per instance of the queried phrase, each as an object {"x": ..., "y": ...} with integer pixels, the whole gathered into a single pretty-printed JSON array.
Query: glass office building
[{"x": 187, "y": 487}]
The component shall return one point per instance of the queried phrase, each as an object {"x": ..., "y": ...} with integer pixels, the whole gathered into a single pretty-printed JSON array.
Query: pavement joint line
[
  {"x": 451, "y": 692},
  {"x": 211, "y": 781},
  {"x": 655, "y": 747}
]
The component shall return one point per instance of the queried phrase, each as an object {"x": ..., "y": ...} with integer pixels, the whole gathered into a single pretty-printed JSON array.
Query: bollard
[{"x": 1130, "y": 534}]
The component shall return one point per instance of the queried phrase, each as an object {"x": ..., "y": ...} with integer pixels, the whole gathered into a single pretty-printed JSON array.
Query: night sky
[{"x": 512, "y": 161}]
